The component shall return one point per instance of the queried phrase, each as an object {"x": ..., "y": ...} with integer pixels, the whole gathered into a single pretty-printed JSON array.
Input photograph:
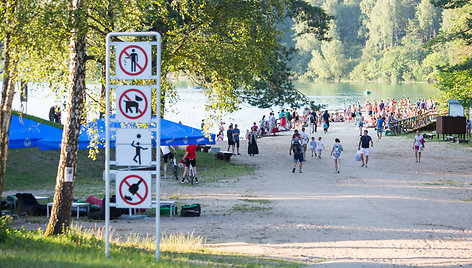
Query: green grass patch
[
  {"x": 248, "y": 208},
  {"x": 39, "y": 120},
  {"x": 31, "y": 169},
  {"x": 259, "y": 201},
  {"x": 448, "y": 182},
  {"x": 78, "y": 248}
]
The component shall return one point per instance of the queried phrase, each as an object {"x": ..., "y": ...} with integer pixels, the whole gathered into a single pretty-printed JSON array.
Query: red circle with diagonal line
[
  {"x": 141, "y": 198},
  {"x": 124, "y": 95},
  {"x": 141, "y": 68}
]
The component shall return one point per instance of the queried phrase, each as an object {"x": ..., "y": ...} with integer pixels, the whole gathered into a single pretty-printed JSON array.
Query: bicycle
[
  {"x": 175, "y": 168},
  {"x": 190, "y": 175}
]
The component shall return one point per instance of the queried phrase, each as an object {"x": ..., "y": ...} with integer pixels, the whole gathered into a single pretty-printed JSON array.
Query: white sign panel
[
  {"x": 133, "y": 104},
  {"x": 133, "y": 60},
  {"x": 133, "y": 189},
  {"x": 133, "y": 147}
]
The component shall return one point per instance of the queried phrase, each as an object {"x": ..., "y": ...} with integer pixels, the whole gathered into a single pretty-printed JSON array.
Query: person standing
[
  {"x": 167, "y": 154},
  {"x": 380, "y": 127},
  {"x": 229, "y": 134},
  {"x": 252, "y": 148},
  {"x": 236, "y": 133},
  {"x": 271, "y": 123},
  {"x": 305, "y": 140},
  {"x": 313, "y": 125},
  {"x": 364, "y": 143},
  {"x": 326, "y": 118},
  {"x": 361, "y": 123},
  {"x": 418, "y": 145},
  {"x": 52, "y": 113},
  {"x": 221, "y": 134},
  {"x": 190, "y": 158},
  {"x": 297, "y": 148},
  {"x": 319, "y": 147},
  {"x": 203, "y": 124},
  {"x": 336, "y": 153},
  {"x": 282, "y": 118},
  {"x": 313, "y": 146}
]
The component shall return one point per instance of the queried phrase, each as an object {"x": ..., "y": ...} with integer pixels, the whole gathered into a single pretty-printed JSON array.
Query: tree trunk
[
  {"x": 64, "y": 192},
  {"x": 8, "y": 91}
]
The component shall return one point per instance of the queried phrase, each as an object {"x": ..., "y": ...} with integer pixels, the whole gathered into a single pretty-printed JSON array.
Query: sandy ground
[{"x": 391, "y": 213}]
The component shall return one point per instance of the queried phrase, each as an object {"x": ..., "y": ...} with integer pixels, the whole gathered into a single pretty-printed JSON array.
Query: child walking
[
  {"x": 319, "y": 147},
  {"x": 313, "y": 146},
  {"x": 336, "y": 153}
]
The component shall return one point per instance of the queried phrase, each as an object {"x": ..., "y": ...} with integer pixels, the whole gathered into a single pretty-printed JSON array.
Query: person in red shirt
[{"x": 190, "y": 158}]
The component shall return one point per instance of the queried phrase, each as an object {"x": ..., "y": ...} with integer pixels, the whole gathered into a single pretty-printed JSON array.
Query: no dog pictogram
[
  {"x": 133, "y": 60},
  {"x": 133, "y": 191},
  {"x": 133, "y": 104}
]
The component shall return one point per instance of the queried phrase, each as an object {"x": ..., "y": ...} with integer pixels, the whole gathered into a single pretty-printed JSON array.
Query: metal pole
[
  {"x": 158, "y": 144},
  {"x": 107, "y": 152}
]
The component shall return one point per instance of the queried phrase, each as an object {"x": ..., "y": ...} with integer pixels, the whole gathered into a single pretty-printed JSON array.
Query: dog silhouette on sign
[{"x": 133, "y": 104}]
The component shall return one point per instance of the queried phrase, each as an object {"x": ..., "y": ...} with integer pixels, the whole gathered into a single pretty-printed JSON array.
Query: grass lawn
[
  {"x": 20, "y": 248},
  {"x": 30, "y": 169}
]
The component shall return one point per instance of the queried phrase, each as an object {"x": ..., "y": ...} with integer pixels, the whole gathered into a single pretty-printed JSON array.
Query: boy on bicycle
[
  {"x": 167, "y": 154},
  {"x": 190, "y": 159}
]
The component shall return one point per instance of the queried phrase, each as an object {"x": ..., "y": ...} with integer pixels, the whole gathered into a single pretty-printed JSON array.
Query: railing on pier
[{"x": 413, "y": 123}]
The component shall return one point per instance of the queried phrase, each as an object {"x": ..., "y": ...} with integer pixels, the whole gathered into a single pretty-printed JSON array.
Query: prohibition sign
[
  {"x": 140, "y": 181},
  {"x": 127, "y": 98},
  {"x": 127, "y": 51}
]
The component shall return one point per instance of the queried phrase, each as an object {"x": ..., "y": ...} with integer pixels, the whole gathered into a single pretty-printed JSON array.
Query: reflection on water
[{"x": 335, "y": 93}]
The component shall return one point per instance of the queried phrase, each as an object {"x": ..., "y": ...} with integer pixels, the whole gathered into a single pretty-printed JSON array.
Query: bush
[{"x": 5, "y": 228}]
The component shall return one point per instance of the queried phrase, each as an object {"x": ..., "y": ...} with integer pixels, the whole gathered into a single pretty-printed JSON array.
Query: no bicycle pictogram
[
  {"x": 133, "y": 60},
  {"x": 133, "y": 104},
  {"x": 133, "y": 190}
]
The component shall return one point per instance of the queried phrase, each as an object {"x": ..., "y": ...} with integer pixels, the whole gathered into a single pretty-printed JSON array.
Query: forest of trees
[{"x": 379, "y": 40}]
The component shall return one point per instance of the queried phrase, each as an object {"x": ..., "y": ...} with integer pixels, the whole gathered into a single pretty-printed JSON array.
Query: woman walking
[
  {"x": 252, "y": 148},
  {"x": 336, "y": 153},
  {"x": 418, "y": 145}
]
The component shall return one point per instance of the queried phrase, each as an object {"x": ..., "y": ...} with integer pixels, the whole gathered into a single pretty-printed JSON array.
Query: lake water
[{"x": 190, "y": 108}]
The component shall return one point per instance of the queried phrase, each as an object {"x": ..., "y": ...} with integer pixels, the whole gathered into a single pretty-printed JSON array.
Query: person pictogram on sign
[
  {"x": 133, "y": 189},
  {"x": 138, "y": 150},
  {"x": 133, "y": 56},
  {"x": 133, "y": 104}
]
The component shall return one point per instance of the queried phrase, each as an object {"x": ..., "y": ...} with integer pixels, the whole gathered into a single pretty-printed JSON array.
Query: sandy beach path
[{"x": 395, "y": 212}]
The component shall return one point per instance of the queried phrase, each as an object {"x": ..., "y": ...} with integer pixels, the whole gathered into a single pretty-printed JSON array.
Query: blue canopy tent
[
  {"x": 171, "y": 134},
  {"x": 26, "y": 133}
]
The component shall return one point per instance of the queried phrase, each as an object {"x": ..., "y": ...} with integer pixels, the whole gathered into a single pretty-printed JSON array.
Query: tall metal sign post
[{"x": 133, "y": 104}]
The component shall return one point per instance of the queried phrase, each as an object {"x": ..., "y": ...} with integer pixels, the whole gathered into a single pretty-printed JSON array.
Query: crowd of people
[{"x": 377, "y": 115}]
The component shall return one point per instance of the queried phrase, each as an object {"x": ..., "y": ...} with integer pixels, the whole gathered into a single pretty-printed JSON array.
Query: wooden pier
[{"x": 413, "y": 123}]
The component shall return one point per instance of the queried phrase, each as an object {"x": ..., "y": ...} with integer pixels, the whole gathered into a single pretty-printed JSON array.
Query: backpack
[
  {"x": 297, "y": 147},
  {"x": 289, "y": 118},
  {"x": 337, "y": 150}
]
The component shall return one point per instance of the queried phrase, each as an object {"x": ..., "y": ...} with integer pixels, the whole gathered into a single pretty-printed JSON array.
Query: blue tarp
[
  {"x": 26, "y": 133},
  {"x": 171, "y": 134}
]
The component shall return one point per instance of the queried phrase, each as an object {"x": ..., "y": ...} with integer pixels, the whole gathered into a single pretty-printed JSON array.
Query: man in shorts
[
  {"x": 167, "y": 154},
  {"x": 229, "y": 134},
  {"x": 297, "y": 146},
  {"x": 190, "y": 157},
  {"x": 364, "y": 143},
  {"x": 236, "y": 134}
]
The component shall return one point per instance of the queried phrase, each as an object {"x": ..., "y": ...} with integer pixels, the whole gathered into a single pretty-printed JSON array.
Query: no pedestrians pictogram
[
  {"x": 133, "y": 61},
  {"x": 133, "y": 104}
]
